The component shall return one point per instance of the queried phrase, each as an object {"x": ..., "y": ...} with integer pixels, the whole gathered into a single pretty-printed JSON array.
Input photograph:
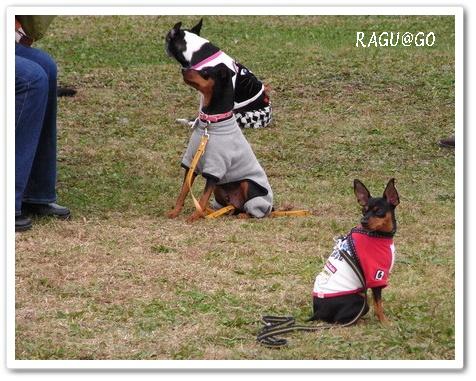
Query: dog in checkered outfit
[{"x": 252, "y": 107}]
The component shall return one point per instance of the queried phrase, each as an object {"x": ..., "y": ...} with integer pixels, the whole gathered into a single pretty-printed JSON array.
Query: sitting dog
[
  {"x": 339, "y": 294},
  {"x": 228, "y": 164},
  {"x": 251, "y": 106}
]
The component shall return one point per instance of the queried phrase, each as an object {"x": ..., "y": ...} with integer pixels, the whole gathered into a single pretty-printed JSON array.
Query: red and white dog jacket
[{"x": 374, "y": 252}]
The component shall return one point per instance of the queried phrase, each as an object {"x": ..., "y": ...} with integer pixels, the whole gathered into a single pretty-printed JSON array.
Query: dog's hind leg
[{"x": 181, "y": 198}]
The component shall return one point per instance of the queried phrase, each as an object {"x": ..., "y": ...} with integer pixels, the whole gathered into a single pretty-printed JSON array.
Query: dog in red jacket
[{"x": 339, "y": 293}]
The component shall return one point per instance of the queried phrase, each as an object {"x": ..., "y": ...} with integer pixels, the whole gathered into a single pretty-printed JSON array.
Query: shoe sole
[
  {"x": 57, "y": 216},
  {"x": 23, "y": 228}
]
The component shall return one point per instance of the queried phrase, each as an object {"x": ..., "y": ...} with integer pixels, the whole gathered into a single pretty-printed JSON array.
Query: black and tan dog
[
  {"x": 228, "y": 164},
  {"x": 360, "y": 260},
  {"x": 339, "y": 294},
  {"x": 251, "y": 104}
]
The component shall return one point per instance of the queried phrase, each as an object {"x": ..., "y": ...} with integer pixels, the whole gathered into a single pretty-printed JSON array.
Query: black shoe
[
  {"x": 22, "y": 223},
  {"x": 447, "y": 143},
  {"x": 44, "y": 210}
]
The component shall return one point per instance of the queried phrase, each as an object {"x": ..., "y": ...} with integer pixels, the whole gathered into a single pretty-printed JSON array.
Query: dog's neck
[
  {"x": 197, "y": 49},
  {"x": 376, "y": 233},
  {"x": 217, "y": 93},
  {"x": 217, "y": 100}
]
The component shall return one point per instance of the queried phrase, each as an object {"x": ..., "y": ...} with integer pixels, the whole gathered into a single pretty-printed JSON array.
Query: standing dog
[
  {"x": 251, "y": 105},
  {"x": 339, "y": 295},
  {"x": 228, "y": 164}
]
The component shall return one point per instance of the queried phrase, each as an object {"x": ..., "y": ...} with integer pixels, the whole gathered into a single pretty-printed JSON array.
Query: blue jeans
[{"x": 35, "y": 127}]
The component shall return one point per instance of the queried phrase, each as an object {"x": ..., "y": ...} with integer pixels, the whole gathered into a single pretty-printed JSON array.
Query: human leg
[
  {"x": 41, "y": 187},
  {"x": 31, "y": 95}
]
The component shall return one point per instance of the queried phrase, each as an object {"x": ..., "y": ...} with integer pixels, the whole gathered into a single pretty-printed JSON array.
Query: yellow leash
[
  {"x": 274, "y": 213},
  {"x": 290, "y": 213},
  {"x": 193, "y": 165},
  {"x": 210, "y": 213},
  {"x": 220, "y": 212}
]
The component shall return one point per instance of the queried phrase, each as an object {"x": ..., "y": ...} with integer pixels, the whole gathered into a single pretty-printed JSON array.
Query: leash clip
[{"x": 194, "y": 124}]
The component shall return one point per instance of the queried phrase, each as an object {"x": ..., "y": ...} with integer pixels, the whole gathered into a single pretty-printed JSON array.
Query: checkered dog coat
[{"x": 254, "y": 118}]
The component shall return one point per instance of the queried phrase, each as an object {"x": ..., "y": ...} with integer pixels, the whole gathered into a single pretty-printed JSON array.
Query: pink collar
[
  {"x": 206, "y": 60},
  {"x": 215, "y": 117}
]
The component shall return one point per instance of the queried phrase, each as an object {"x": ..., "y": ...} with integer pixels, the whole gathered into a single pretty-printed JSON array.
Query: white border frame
[{"x": 277, "y": 9}]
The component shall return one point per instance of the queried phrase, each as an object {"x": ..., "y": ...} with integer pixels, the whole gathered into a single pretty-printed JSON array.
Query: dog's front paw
[
  {"x": 383, "y": 319},
  {"x": 243, "y": 216},
  {"x": 195, "y": 216},
  {"x": 173, "y": 213}
]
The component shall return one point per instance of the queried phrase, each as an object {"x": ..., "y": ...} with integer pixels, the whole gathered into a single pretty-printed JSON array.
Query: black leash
[{"x": 276, "y": 325}]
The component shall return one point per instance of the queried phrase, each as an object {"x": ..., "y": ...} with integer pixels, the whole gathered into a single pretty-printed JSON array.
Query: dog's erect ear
[
  {"x": 196, "y": 29},
  {"x": 224, "y": 71},
  {"x": 391, "y": 194},
  {"x": 174, "y": 31},
  {"x": 220, "y": 71},
  {"x": 361, "y": 192}
]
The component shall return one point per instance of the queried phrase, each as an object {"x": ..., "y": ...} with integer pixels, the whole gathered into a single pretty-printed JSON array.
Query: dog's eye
[{"x": 380, "y": 212}]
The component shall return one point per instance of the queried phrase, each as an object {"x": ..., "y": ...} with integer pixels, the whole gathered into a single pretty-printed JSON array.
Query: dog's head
[
  {"x": 378, "y": 212},
  {"x": 181, "y": 44},
  {"x": 215, "y": 84}
]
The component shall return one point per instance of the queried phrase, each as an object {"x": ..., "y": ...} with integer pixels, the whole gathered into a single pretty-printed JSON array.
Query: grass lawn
[{"x": 121, "y": 281}]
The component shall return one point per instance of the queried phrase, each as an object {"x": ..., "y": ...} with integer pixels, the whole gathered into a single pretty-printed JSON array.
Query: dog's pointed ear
[
  {"x": 220, "y": 71},
  {"x": 361, "y": 192},
  {"x": 175, "y": 29},
  {"x": 390, "y": 193},
  {"x": 224, "y": 71},
  {"x": 197, "y": 28}
]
